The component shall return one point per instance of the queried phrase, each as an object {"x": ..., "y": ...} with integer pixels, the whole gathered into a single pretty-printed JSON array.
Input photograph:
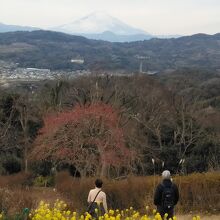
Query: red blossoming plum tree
[{"x": 87, "y": 137}]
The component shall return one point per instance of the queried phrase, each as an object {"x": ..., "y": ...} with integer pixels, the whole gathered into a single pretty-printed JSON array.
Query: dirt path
[
  {"x": 207, "y": 217},
  {"x": 45, "y": 194}
]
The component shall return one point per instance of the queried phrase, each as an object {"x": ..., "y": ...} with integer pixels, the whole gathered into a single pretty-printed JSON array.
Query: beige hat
[{"x": 166, "y": 174}]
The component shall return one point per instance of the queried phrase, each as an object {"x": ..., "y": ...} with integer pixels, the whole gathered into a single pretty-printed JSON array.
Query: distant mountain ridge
[
  {"x": 10, "y": 28},
  {"x": 53, "y": 50},
  {"x": 110, "y": 36},
  {"x": 98, "y": 26}
]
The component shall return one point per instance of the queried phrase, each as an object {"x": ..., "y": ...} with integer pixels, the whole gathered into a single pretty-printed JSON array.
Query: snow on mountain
[
  {"x": 97, "y": 23},
  {"x": 110, "y": 36}
]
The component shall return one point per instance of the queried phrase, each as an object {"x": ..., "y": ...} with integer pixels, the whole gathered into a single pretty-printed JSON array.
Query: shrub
[
  {"x": 43, "y": 181},
  {"x": 16, "y": 180},
  {"x": 14, "y": 201}
]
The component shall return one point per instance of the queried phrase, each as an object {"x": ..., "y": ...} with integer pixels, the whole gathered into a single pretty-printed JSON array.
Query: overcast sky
[{"x": 154, "y": 16}]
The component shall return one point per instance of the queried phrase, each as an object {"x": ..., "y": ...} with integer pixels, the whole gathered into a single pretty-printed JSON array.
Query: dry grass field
[{"x": 199, "y": 194}]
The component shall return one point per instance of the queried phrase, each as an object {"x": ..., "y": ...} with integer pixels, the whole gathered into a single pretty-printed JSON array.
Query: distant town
[{"x": 12, "y": 72}]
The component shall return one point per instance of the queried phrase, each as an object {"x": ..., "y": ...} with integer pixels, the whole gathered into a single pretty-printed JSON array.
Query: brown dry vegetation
[{"x": 199, "y": 193}]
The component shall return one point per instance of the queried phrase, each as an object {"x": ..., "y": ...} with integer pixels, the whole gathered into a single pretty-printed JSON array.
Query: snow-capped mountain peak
[{"x": 99, "y": 22}]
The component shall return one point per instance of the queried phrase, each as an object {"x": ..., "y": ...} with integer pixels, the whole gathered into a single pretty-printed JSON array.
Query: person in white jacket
[{"x": 97, "y": 200}]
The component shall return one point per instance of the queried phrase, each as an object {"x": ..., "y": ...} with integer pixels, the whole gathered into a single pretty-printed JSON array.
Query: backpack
[{"x": 168, "y": 197}]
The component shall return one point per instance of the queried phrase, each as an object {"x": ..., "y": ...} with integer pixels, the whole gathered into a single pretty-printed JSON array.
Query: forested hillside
[
  {"x": 170, "y": 118},
  {"x": 53, "y": 50}
]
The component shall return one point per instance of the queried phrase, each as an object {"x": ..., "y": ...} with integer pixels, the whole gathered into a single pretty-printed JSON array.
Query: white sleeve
[
  {"x": 89, "y": 197},
  {"x": 105, "y": 203}
]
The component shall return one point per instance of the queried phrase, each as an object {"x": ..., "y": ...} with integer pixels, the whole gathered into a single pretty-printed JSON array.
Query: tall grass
[{"x": 197, "y": 191}]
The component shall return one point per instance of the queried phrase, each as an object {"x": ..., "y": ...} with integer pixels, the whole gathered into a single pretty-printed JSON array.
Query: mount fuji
[{"x": 102, "y": 26}]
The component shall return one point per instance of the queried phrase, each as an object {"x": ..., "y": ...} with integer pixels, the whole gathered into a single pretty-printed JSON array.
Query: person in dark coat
[{"x": 166, "y": 196}]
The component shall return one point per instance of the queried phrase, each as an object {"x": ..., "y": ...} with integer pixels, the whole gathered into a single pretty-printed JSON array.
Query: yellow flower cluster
[
  {"x": 1, "y": 216},
  {"x": 59, "y": 211}
]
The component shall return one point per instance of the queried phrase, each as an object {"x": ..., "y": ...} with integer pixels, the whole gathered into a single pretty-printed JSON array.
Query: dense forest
[{"x": 160, "y": 121}]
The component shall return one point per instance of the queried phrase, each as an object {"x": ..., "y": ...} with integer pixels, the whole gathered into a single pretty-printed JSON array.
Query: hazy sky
[{"x": 153, "y": 16}]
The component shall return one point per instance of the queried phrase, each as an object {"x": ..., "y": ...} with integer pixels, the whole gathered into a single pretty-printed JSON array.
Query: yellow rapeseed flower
[{"x": 59, "y": 211}]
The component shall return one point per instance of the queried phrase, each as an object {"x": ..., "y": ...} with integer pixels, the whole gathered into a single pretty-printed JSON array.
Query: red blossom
[{"x": 84, "y": 133}]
